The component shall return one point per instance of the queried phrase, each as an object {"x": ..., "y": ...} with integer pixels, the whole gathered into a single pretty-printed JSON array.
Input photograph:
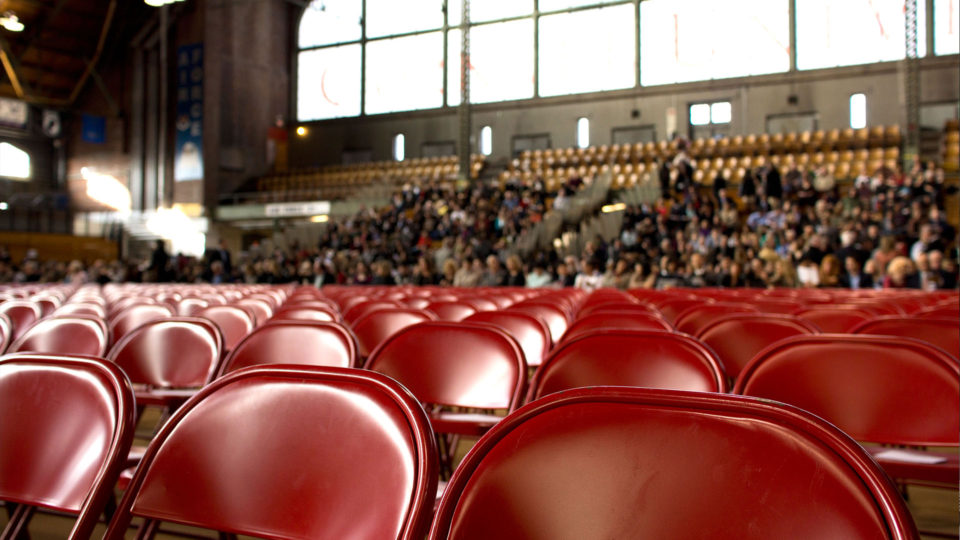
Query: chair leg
[
  {"x": 148, "y": 529},
  {"x": 19, "y": 520}
]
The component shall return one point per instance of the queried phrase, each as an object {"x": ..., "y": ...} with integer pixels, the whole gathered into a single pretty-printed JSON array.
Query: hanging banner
[{"x": 188, "y": 149}]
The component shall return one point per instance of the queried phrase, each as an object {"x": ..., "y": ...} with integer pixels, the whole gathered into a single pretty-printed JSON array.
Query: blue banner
[
  {"x": 94, "y": 129},
  {"x": 188, "y": 156}
]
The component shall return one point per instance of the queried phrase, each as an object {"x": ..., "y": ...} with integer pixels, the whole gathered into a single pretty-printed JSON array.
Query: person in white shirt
[
  {"x": 538, "y": 277},
  {"x": 589, "y": 278}
]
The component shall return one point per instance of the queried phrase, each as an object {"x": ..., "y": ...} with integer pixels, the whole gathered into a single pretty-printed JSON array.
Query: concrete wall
[{"x": 825, "y": 92}]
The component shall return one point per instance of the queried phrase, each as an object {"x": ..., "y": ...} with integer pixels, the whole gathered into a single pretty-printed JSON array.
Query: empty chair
[
  {"x": 173, "y": 353},
  {"x": 191, "y": 307},
  {"x": 942, "y": 332},
  {"x": 695, "y": 318},
  {"x": 312, "y": 343},
  {"x": 878, "y": 389},
  {"x": 461, "y": 364},
  {"x": 6, "y": 332},
  {"x": 306, "y": 313},
  {"x": 739, "y": 337},
  {"x": 259, "y": 306},
  {"x": 649, "y": 358},
  {"x": 77, "y": 335},
  {"x": 616, "y": 320},
  {"x": 22, "y": 315},
  {"x": 641, "y": 463},
  {"x": 451, "y": 311},
  {"x": 135, "y": 315},
  {"x": 835, "y": 318},
  {"x": 290, "y": 452},
  {"x": 374, "y": 328},
  {"x": 623, "y": 307},
  {"x": 531, "y": 332},
  {"x": 235, "y": 322},
  {"x": 355, "y": 312},
  {"x": 67, "y": 426},
  {"x": 82, "y": 308},
  {"x": 554, "y": 316},
  {"x": 672, "y": 308},
  {"x": 939, "y": 311}
]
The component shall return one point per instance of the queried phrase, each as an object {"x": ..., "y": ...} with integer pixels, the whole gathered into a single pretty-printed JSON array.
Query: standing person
[
  {"x": 772, "y": 184},
  {"x": 159, "y": 260}
]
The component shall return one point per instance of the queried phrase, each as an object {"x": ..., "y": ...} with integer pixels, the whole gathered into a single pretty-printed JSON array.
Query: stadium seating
[
  {"x": 877, "y": 389},
  {"x": 298, "y": 342},
  {"x": 290, "y": 452},
  {"x": 67, "y": 426},
  {"x": 648, "y": 358},
  {"x": 641, "y": 463}
]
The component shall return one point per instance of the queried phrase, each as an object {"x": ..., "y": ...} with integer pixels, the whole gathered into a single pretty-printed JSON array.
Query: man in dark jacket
[{"x": 855, "y": 278}]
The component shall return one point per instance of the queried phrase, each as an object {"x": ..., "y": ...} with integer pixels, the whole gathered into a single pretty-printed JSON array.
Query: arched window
[{"x": 14, "y": 162}]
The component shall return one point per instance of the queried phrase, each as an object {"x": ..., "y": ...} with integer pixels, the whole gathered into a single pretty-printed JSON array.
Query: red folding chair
[
  {"x": 235, "y": 322},
  {"x": 82, "y": 308},
  {"x": 313, "y": 343},
  {"x": 67, "y": 426},
  {"x": 642, "y": 463},
  {"x": 70, "y": 335},
  {"x": 739, "y": 337},
  {"x": 615, "y": 320},
  {"x": 136, "y": 315},
  {"x": 556, "y": 317},
  {"x": 878, "y": 389},
  {"x": 22, "y": 315},
  {"x": 354, "y": 313},
  {"x": 290, "y": 452},
  {"x": 374, "y": 328},
  {"x": 261, "y": 309},
  {"x": 6, "y": 332},
  {"x": 648, "y": 358},
  {"x": 451, "y": 311},
  {"x": 696, "y": 318},
  {"x": 942, "y": 332},
  {"x": 531, "y": 332},
  {"x": 836, "y": 319}
]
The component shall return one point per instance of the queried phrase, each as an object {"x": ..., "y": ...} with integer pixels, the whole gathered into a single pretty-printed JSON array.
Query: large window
[
  {"x": 827, "y": 36},
  {"x": 587, "y": 51},
  {"x": 489, "y": 10},
  {"x": 329, "y": 22},
  {"x": 329, "y": 83},
  {"x": 14, "y": 162},
  {"x": 946, "y": 26},
  {"x": 693, "y": 40},
  {"x": 411, "y": 84},
  {"x": 501, "y": 62},
  {"x": 392, "y": 17},
  {"x": 858, "y": 111}
]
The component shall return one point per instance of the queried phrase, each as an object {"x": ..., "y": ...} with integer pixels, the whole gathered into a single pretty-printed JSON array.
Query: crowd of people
[{"x": 795, "y": 228}]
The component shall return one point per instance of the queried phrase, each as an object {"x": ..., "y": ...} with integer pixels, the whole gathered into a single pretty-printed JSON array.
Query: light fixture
[
  {"x": 11, "y": 22},
  {"x": 4, "y": 205},
  {"x": 619, "y": 207},
  {"x": 323, "y": 218},
  {"x": 302, "y": 131},
  {"x": 160, "y": 3},
  {"x": 106, "y": 190}
]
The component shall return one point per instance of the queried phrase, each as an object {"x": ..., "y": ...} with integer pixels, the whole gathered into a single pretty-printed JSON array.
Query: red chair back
[
  {"x": 739, "y": 337},
  {"x": 875, "y": 388},
  {"x": 531, "y": 332},
  {"x": 67, "y": 426},
  {"x": 451, "y": 311},
  {"x": 554, "y": 316},
  {"x": 319, "y": 453},
  {"x": 312, "y": 343},
  {"x": 6, "y": 332},
  {"x": 133, "y": 316},
  {"x": 672, "y": 308},
  {"x": 22, "y": 314},
  {"x": 306, "y": 313},
  {"x": 616, "y": 320},
  {"x": 647, "y": 358},
  {"x": 181, "y": 352},
  {"x": 455, "y": 364},
  {"x": 835, "y": 319},
  {"x": 696, "y": 318},
  {"x": 942, "y": 332},
  {"x": 642, "y": 463},
  {"x": 354, "y": 313},
  {"x": 191, "y": 307},
  {"x": 77, "y": 335},
  {"x": 235, "y": 323},
  {"x": 82, "y": 308},
  {"x": 374, "y": 328}
]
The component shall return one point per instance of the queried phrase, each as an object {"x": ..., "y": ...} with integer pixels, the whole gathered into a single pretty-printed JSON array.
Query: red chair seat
[{"x": 942, "y": 474}]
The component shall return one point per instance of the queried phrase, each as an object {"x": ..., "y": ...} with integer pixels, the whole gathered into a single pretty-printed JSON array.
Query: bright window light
[
  {"x": 946, "y": 26},
  {"x": 720, "y": 112},
  {"x": 486, "y": 140},
  {"x": 583, "y": 133},
  {"x": 501, "y": 62},
  {"x": 326, "y": 22},
  {"x": 390, "y": 17},
  {"x": 106, "y": 190},
  {"x": 404, "y": 74},
  {"x": 858, "y": 111},
  {"x": 328, "y": 83},
  {"x": 14, "y": 162},
  {"x": 588, "y": 51},
  {"x": 399, "y": 147},
  {"x": 488, "y": 10},
  {"x": 827, "y": 38},
  {"x": 700, "y": 114}
]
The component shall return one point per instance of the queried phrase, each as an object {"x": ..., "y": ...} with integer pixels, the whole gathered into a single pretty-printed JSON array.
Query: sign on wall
[
  {"x": 13, "y": 113},
  {"x": 298, "y": 209},
  {"x": 188, "y": 149}
]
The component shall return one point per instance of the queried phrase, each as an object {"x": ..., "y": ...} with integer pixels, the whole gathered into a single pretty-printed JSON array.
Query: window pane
[
  {"x": 946, "y": 26},
  {"x": 694, "y": 40},
  {"x": 827, "y": 38},
  {"x": 326, "y": 22},
  {"x": 14, "y": 162},
  {"x": 858, "y": 111},
  {"x": 700, "y": 114},
  {"x": 721, "y": 112},
  {"x": 389, "y": 17},
  {"x": 405, "y": 74},
  {"x": 486, "y": 140},
  {"x": 328, "y": 83},
  {"x": 583, "y": 132},
  {"x": 399, "y": 147},
  {"x": 501, "y": 62},
  {"x": 488, "y": 10},
  {"x": 587, "y": 51},
  {"x": 557, "y": 5}
]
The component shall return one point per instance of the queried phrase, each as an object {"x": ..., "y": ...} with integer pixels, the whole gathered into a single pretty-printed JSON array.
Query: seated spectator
[
  {"x": 901, "y": 274},
  {"x": 514, "y": 276},
  {"x": 589, "y": 278},
  {"x": 855, "y": 277},
  {"x": 829, "y": 271},
  {"x": 539, "y": 277}
]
